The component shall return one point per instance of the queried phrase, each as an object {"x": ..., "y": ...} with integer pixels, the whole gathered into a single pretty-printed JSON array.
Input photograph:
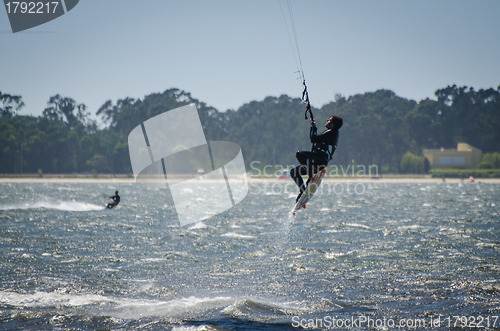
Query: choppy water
[{"x": 402, "y": 252}]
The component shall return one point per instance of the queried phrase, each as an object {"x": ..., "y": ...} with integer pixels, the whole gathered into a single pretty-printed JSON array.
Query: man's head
[
  {"x": 116, "y": 192},
  {"x": 334, "y": 122}
]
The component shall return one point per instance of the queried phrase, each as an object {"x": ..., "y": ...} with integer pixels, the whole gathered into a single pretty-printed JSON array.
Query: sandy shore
[
  {"x": 345, "y": 179},
  {"x": 396, "y": 180},
  {"x": 65, "y": 180}
]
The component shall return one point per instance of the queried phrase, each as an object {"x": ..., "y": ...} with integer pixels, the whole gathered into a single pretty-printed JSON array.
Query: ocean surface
[{"x": 373, "y": 256}]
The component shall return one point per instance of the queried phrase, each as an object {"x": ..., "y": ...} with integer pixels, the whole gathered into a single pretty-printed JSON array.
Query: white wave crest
[
  {"x": 58, "y": 205},
  {"x": 237, "y": 235}
]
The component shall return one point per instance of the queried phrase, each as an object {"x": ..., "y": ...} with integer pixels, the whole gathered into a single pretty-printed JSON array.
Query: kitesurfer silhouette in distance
[{"x": 115, "y": 202}]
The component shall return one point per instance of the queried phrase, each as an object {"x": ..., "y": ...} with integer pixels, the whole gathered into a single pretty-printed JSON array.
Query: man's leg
[
  {"x": 297, "y": 173},
  {"x": 315, "y": 167}
]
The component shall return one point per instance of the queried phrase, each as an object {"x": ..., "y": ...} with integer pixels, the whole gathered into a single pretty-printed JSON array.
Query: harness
[
  {"x": 323, "y": 148},
  {"x": 328, "y": 152}
]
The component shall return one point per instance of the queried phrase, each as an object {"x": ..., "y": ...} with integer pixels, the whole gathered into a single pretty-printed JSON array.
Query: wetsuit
[
  {"x": 324, "y": 145},
  {"x": 116, "y": 201}
]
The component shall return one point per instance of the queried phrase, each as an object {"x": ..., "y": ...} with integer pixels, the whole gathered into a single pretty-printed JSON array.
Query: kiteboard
[
  {"x": 311, "y": 188},
  {"x": 111, "y": 204}
]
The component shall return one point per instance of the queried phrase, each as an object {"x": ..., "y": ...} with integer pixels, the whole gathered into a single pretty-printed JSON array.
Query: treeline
[{"x": 380, "y": 129}]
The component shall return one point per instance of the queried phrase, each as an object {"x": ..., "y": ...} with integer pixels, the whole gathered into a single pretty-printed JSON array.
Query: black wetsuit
[
  {"x": 311, "y": 162},
  {"x": 116, "y": 201}
]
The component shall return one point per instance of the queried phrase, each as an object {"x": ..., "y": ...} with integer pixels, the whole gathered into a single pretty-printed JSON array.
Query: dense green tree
[
  {"x": 10, "y": 104},
  {"x": 128, "y": 113},
  {"x": 427, "y": 126},
  {"x": 470, "y": 116},
  {"x": 8, "y": 138},
  {"x": 374, "y": 131},
  {"x": 67, "y": 110},
  {"x": 490, "y": 161},
  {"x": 413, "y": 164},
  {"x": 270, "y": 131}
]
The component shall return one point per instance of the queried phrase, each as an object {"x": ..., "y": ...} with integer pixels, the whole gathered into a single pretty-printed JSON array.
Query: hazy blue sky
[{"x": 227, "y": 53}]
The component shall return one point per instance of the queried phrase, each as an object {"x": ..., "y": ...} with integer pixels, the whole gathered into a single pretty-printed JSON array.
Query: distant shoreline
[{"x": 123, "y": 178}]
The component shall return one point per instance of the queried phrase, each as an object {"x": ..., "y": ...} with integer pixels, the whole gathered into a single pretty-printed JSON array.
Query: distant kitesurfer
[
  {"x": 115, "y": 202},
  {"x": 324, "y": 145}
]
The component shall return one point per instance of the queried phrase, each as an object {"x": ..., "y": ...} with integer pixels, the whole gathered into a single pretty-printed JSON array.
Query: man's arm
[
  {"x": 328, "y": 137},
  {"x": 313, "y": 132}
]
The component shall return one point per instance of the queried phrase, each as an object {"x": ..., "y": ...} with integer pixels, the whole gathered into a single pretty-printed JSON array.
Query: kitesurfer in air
[
  {"x": 324, "y": 145},
  {"x": 115, "y": 202}
]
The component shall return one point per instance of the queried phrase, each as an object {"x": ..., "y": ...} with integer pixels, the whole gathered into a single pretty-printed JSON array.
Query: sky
[{"x": 230, "y": 52}]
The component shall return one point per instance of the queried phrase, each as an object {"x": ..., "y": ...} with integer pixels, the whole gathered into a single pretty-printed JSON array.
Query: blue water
[{"x": 417, "y": 253}]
